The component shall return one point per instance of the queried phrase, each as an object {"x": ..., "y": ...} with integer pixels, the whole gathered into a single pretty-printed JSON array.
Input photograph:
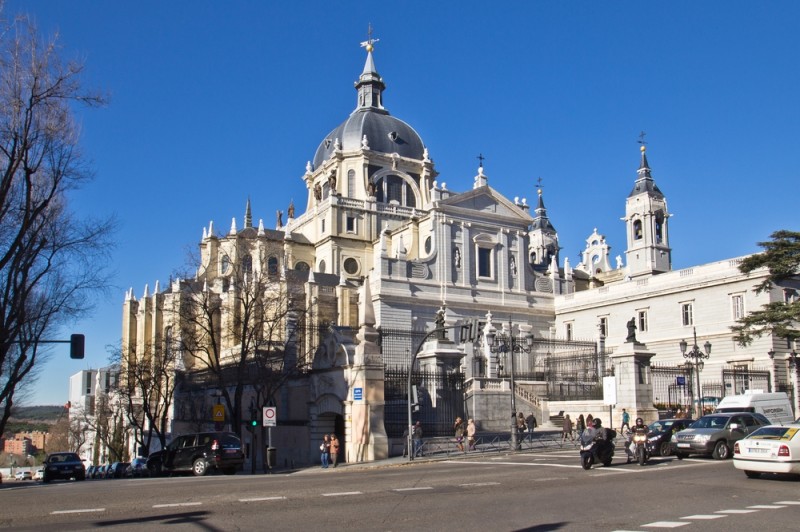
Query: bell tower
[{"x": 646, "y": 218}]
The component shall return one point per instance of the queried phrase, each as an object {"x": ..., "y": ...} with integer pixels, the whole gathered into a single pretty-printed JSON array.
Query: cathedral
[{"x": 384, "y": 252}]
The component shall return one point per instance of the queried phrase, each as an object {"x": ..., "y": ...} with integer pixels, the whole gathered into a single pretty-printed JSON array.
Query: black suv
[
  {"x": 63, "y": 466},
  {"x": 198, "y": 453}
]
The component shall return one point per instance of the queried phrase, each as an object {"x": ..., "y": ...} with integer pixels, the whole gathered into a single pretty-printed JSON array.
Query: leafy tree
[
  {"x": 781, "y": 256},
  {"x": 51, "y": 262}
]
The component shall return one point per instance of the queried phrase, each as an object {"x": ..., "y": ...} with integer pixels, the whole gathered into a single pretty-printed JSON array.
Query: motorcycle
[
  {"x": 597, "y": 450},
  {"x": 641, "y": 452}
]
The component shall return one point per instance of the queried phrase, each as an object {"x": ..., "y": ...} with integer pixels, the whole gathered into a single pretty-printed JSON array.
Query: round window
[
  {"x": 351, "y": 265},
  {"x": 301, "y": 266},
  {"x": 428, "y": 245}
]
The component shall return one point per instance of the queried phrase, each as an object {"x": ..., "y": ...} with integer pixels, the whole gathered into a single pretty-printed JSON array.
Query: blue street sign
[
  {"x": 358, "y": 394},
  {"x": 680, "y": 381}
]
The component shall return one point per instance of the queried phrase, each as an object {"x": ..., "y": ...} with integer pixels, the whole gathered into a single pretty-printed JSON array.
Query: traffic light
[
  {"x": 253, "y": 418},
  {"x": 76, "y": 344}
]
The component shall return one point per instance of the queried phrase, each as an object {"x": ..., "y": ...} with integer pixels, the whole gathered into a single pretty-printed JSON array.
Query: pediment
[{"x": 485, "y": 200}]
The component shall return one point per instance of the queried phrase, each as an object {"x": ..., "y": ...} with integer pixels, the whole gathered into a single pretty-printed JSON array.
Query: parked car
[
  {"x": 137, "y": 468},
  {"x": 63, "y": 466},
  {"x": 715, "y": 434},
  {"x": 198, "y": 453},
  {"x": 117, "y": 469},
  {"x": 39, "y": 475},
  {"x": 90, "y": 471},
  {"x": 660, "y": 434},
  {"x": 770, "y": 449},
  {"x": 23, "y": 475},
  {"x": 99, "y": 471}
]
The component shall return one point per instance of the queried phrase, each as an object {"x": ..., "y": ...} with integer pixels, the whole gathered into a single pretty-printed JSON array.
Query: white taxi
[{"x": 770, "y": 449}]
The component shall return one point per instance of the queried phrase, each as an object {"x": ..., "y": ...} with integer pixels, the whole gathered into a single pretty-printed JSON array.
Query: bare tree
[
  {"x": 238, "y": 336},
  {"x": 51, "y": 263},
  {"x": 106, "y": 420},
  {"x": 146, "y": 391}
]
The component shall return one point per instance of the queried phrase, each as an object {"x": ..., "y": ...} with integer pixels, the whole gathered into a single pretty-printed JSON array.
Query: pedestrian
[
  {"x": 325, "y": 451},
  {"x": 589, "y": 421},
  {"x": 679, "y": 414},
  {"x": 626, "y": 417},
  {"x": 405, "y": 442},
  {"x": 531, "y": 422},
  {"x": 580, "y": 425},
  {"x": 460, "y": 430},
  {"x": 521, "y": 427},
  {"x": 334, "y": 449},
  {"x": 471, "y": 430},
  {"x": 566, "y": 431},
  {"x": 417, "y": 436}
]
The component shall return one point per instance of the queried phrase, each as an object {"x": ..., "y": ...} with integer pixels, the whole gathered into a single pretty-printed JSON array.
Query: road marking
[
  {"x": 548, "y": 479},
  {"x": 176, "y": 504},
  {"x": 341, "y": 493},
  {"x": 788, "y": 502},
  {"x": 766, "y": 506},
  {"x": 516, "y": 464},
  {"x": 414, "y": 489},
  {"x": 474, "y": 484},
  {"x": 257, "y": 499},
  {"x": 83, "y": 511},
  {"x": 667, "y": 524},
  {"x": 704, "y": 516},
  {"x": 735, "y": 511}
]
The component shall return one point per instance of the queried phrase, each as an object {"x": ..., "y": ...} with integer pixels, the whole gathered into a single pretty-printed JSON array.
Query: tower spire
[
  {"x": 248, "y": 216},
  {"x": 370, "y": 86}
]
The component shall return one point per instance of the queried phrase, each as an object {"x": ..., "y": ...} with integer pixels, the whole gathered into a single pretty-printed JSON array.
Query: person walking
[
  {"x": 405, "y": 442},
  {"x": 580, "y": 425},
  {"x": 325, "y": 451},
  {"x": 566, "y": 431},
  {"x": 471, "y": 430},
  {"x": 589, "y": 421},
  {"x": 334, "y": 450},
  {"x": 417, "y": 436},
  {"x": 521, "y": 427},
  {"x": 626, "y": 418},
  {"x": 530, "y": 421},
  {"x": 460, "y": 430}
]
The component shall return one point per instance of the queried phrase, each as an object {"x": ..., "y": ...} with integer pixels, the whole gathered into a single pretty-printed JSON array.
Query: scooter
[{"x": 598, "y": 450}]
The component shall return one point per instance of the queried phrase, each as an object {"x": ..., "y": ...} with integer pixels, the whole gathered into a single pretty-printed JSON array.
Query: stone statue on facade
[
  {"x": 631, "y": 331},
  {"x": 291, "y": 210},
  {"x": 279, "y": 218}
]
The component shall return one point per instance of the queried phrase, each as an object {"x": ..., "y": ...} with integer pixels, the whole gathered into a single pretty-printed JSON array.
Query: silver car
[{"x": 715, "y": 434}]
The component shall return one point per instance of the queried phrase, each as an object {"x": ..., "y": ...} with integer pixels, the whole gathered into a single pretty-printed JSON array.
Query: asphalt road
[{"x": 497, "y": 492}]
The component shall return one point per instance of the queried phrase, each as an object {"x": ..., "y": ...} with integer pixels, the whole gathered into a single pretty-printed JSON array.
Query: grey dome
[{"x": 384, "y": 132}]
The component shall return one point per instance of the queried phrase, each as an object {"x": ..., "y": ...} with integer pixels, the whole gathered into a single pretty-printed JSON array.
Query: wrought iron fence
[
  {"x": 673, "y": 386},
  {"x": 440, "y": 397},
  {"x": 739, "y": 380},
  {"x": 398, "y": 345}
]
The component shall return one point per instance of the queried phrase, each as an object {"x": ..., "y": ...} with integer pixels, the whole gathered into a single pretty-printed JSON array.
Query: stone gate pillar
[{"x": 634, "y": 382}]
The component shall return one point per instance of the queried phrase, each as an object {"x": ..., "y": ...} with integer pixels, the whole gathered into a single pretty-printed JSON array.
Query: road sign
[
  {"x": 218, "y": 413},
  {"x": 269, "y": 416},
  {"x": 680, "y": 381},
  {"x": 609, "y": 391},
  {"x": 358, "y": 394}
]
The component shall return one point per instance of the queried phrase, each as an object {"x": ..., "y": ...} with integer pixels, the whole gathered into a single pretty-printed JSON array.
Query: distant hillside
[{"x": 33, "y": 418}]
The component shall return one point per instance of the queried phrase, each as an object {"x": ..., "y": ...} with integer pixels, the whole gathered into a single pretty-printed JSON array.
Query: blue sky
[{"x": 212, "y": 102}]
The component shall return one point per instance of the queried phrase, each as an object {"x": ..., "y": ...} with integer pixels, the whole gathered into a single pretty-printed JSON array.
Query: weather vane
[
  {"x": 641, "y": 139},
  {"x": 481, "y": 158},
  {"x": 539, "y": 183},
  {"x": 370, "y": 41}
]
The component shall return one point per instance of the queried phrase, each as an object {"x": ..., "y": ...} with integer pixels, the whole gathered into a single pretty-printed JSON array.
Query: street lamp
[
  {"x": 508, "y": 344},
  {"x": 697, "y": 356}
]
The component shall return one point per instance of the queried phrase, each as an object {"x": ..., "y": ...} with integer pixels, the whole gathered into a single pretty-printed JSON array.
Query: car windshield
[
  {"x": 230, "y": 441},
  {"x": 710, "y": 422},
  {"x": 774, "y": 433},
  {"x": 64, "y": 457},
  {"x": 660, "y": 426}
]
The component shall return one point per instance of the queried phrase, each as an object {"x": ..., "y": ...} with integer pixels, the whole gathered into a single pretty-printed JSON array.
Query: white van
[{"x": 774, "y": 406}]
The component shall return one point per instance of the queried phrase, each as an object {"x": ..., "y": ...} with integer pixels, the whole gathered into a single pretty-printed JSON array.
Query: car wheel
[
  {"x": 752, "y": 474},
  {"x": 665, "y": 449},
  {"x": 721, "y": 451},
  {"x": 45, "y": 479},
  {"x": 199, "y": 467},
  {"x": 681, "y": 456},
  {"x": 80, "y": 477},
  {"x": 154, "y": 469}
]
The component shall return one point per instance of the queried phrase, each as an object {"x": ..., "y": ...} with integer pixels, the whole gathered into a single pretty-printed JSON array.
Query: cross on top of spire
[{"x": 642, "y": 141}]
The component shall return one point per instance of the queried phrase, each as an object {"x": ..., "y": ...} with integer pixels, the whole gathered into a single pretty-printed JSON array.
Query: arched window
[
  {"x": 272, "y": 266},
  {"x": 321, "y": 266},
  {"x": 659, "y": 227},
  {"x": 637, "y": 229},
  {"x": 302, "y": 266},
  {"x": 393, "y": 188},
  {"x": 351, "y": 183},
  {"x": 247, "y": 264}
]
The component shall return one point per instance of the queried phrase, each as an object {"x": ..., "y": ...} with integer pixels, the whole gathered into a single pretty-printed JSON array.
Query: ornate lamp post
[
  {"x": 508, "y": 344},
  {"x": 794, "y": 374},
  {"x": 696, "y": 356}
]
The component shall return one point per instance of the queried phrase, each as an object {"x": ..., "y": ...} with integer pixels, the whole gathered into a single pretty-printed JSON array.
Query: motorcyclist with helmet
[{"x": 639, "y": 433}]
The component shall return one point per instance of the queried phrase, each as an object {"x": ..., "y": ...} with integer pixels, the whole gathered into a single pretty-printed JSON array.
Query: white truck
[{"x": 774, "y": 406}]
